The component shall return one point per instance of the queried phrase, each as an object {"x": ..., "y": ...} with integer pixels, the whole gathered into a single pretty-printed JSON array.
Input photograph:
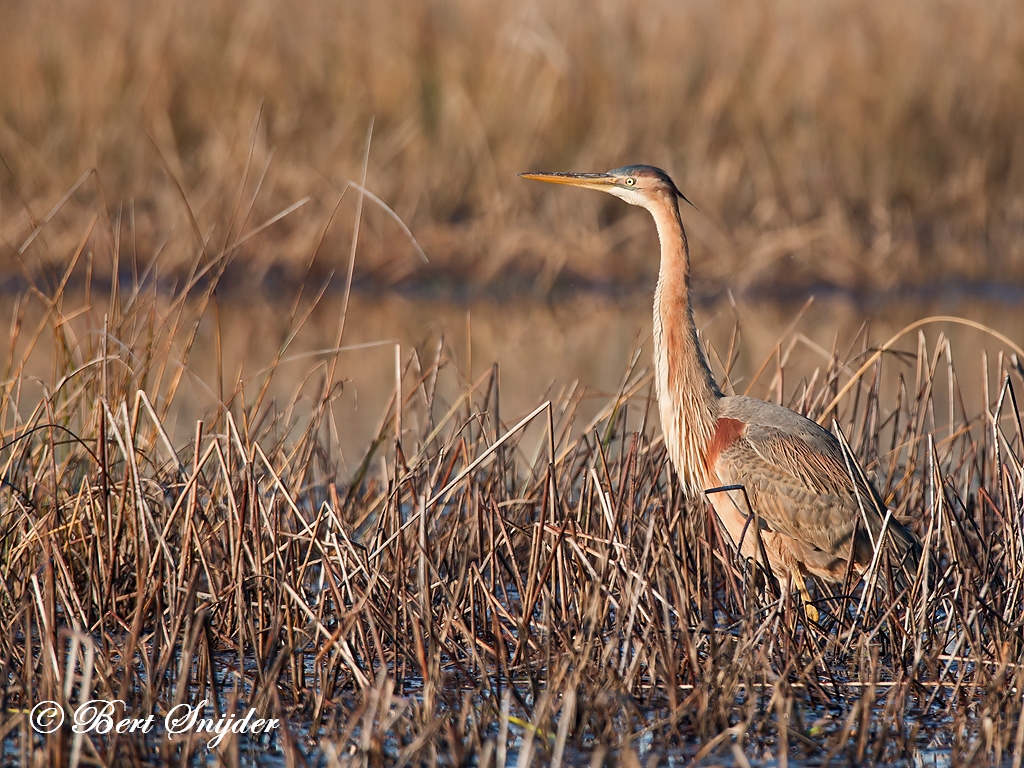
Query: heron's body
[{"x": 792, "y": 472}]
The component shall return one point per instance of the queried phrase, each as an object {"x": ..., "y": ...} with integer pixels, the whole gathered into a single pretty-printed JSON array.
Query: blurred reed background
[
  {"x": 212, "y": 451},
  {"x": 863, "y": 145}
]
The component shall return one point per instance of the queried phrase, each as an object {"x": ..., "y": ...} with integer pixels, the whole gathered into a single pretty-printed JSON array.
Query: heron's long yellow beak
[{"x": 599, "y": 181}]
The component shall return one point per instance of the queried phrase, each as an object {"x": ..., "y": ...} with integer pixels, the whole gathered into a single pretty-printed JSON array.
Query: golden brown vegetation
[
  {"x": 862, "y": 144},
  {"x": 481, "y": 601},
  {"x": 469, "y": 597}
]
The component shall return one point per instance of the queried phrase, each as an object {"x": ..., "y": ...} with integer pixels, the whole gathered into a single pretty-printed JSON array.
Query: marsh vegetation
[{"x": 438, "y": 525}]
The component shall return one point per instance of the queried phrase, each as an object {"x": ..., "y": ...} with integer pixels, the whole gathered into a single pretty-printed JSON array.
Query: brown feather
[{"x": 727, "y": 431}]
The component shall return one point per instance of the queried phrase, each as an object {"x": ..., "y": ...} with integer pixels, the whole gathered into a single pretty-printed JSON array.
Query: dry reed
[
  {"x": 883, "y": 135},
  {"x": 491, "y": 590},
  {"x": 478, "y": 601}
]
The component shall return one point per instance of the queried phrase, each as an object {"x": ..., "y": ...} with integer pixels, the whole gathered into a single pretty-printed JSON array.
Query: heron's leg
[{"x": 798, "y": 581}]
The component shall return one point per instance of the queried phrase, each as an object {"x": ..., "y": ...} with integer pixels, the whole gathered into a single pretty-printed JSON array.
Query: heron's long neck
[{"x": 687, "y": 393}]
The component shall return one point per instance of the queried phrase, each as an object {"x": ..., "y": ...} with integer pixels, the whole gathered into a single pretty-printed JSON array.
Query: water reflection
[{"x": 541, "y": 348}]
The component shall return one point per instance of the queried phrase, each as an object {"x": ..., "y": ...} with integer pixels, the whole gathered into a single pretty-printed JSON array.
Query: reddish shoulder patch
[{"x": 727, "y": 432}]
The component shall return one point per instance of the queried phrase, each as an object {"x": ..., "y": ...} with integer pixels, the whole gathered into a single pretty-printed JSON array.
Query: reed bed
[
  {"x": 855, "y": 143},
  {"x": 487, "y": 588}
]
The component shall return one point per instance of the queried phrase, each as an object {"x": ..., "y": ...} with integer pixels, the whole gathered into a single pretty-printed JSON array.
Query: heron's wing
[
  {"x": 799, "y": 483},
  {"x": 794, "y": 489}
]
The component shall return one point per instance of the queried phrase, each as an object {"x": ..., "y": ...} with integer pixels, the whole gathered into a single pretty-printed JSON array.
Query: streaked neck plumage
[{"x": 687, "y": 393}]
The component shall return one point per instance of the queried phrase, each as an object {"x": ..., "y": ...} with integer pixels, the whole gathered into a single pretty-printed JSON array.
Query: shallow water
[{"x": 542, "y": 350}]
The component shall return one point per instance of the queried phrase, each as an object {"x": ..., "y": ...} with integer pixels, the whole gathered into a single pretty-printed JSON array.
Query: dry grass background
[
  {"x": 862, "y": 144},
  {"x": 490, "y": 587}
]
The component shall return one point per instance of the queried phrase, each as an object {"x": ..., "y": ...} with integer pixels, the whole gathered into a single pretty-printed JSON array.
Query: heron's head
[{"x": 642, "y": 185}]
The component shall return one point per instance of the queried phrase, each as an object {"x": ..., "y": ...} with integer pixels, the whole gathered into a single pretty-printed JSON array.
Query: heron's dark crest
[{"x": 653, "y": 173}]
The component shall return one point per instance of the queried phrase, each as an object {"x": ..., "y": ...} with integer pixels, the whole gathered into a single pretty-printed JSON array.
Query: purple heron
[{"x": 815, "y": 509}]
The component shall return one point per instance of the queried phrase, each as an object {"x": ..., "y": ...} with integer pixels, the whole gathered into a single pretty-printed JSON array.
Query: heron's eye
[{"x": 630, "y": 182}]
